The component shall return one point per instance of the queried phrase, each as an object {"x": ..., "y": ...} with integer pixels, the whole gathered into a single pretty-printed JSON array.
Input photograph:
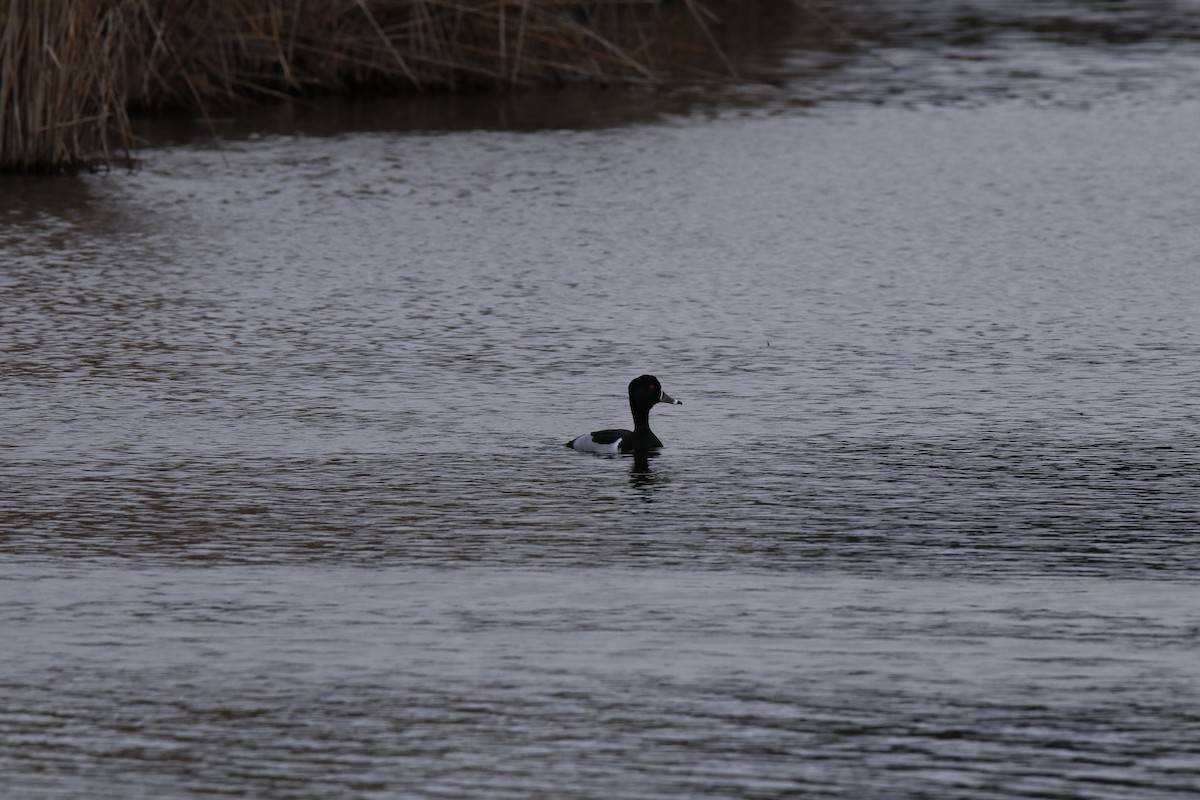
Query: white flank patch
[{"x": 585, "y": 444}]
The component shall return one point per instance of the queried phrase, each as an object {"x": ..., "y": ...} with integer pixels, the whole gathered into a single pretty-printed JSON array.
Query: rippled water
[{"x": 285, "y": 511}]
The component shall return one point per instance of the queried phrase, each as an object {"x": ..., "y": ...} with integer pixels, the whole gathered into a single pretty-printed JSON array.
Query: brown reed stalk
[
  {"x": 71, "y": 70},
  {"x": 60, "y": 107}
]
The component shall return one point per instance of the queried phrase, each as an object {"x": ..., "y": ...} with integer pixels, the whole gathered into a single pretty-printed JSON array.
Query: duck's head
[{"x": 645, "y": 391}]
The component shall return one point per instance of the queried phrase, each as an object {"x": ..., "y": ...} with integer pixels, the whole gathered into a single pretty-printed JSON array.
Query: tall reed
[
  {"x": 60, "y": 104},
  {"x": 71, "y": 70}
]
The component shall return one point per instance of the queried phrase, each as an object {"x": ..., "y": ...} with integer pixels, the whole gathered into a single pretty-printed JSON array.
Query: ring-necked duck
[{"x": 644, "y": 392}]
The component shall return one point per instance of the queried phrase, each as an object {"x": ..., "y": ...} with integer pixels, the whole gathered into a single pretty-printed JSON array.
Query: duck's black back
[{"x": 610, "y": 435}]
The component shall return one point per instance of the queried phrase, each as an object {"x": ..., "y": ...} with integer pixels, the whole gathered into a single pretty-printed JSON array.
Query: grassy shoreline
[{"x": 72, "y": 71}]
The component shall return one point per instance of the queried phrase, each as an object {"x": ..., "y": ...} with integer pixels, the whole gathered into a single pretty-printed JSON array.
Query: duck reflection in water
[{"x": 641, "y": 476}]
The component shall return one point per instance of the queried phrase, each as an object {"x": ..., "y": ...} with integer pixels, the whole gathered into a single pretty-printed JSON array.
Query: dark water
[{"x": 285, "y": 511}]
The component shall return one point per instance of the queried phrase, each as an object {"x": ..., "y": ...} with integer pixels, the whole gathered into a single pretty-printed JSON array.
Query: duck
[{"x": 645, "y": 391}]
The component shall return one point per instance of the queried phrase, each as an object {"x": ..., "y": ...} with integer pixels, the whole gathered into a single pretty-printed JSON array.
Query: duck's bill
[{"x": 666, "y": 398}]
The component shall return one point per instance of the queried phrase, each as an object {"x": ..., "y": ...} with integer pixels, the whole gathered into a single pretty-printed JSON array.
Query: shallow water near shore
[{"x": 285, "y": 510}]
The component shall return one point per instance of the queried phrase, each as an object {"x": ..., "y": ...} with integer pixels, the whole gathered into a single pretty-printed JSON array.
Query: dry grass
[
  {"x": 58, "y": 101},
  {"x": 71, "y": 70}
]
